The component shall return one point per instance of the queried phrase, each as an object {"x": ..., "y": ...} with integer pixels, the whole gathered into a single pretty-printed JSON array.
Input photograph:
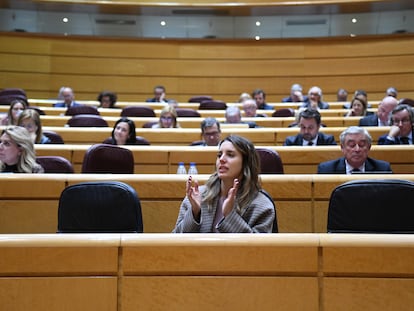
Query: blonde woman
[
  {"x": 168, "y": 118},
  {"x": 30, "y": 120},
  {"x": 17, "y": 153}
]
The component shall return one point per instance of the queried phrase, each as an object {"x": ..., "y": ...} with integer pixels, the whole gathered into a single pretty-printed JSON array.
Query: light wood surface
[
  {"x": 29, "y": 202},
  {"x": 188, "y": 271}
]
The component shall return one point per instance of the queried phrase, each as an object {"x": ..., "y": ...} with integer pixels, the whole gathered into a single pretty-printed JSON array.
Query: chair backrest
[
  {"x": 137, "y": 111},
  {"x": 54, "y": 137},
  {"x": 212, "y": 105},
  {"x": 110, "y": 159},
  {"x": 187, "y": 112},
  {"x": 9, "y": 94},
  {"x": 87, "y": 120},
  {"x": 275, "y": 228},
  {"x": 372, "y": 206},
  {"x": 284, "y": 112},
  {"x": 199, "y": 98},
  {"x": 149, "y": 124},
  {"x": 99, "y": 207},
  {"x": 270, "y": 161},
  {"x": 139, "y": 141},
  {"x": 55, "y": 164},
  {"x": 81, "y": 109}
]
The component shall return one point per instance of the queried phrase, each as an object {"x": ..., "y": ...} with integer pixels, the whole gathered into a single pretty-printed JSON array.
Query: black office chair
[
  {"x": 99, "y": 207},
  {"x": 108, "y": 159},
  {"x": 137, "y": 111},
  {"x": 81, "y": 109},
  {"x": 54, "y": 137},
  {"x": 139, "y": 141},
  {"x": 187, "y": 112},
  {"x": 55, "y": 164},
  {"x": 270, "y": 161},
  {"x": 372, "y": 206},
  {"x": 284, "y": 112},
  {"x": 87, "y": 120},
  {"x": 275, "y": 228}
]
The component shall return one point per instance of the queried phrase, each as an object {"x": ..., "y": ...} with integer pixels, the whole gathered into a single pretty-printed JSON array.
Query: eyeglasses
[
  {"x": 314, "y": 94},
  {"x": 403, "y": 121},
  {"x": 167, "y": 118}
]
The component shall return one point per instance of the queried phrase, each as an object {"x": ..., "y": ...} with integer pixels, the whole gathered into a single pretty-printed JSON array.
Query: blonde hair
[
  {"x": 27, "y": 161},
  {"x": 33, "y": 115},
  {"x": 169, "y": 109}
]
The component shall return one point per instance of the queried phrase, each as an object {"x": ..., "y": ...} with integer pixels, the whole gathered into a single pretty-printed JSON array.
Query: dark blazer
[
  {"x": 62, "y": 104},
  {"x": 289, "y": 99},
  {"x": 369, "y": 120},
  {"x": 323, "y": 139},
  {"x": 382, "y": 140},
  {"x": 154, "y": 100},
  {"x": 338, "y": 166}
]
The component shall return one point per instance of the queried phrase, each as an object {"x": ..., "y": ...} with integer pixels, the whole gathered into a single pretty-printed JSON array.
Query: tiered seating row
[
  {"x": 296, "y": 159},
  {"x": 185, "y": 136},
  {"x": 28, "y": 202},
  {"x": 204, "y": 271}
]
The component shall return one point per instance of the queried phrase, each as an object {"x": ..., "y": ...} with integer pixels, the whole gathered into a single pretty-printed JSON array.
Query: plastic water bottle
[
  {"x": 181, "y": 168},
  {"x": 192, "y": 170}
]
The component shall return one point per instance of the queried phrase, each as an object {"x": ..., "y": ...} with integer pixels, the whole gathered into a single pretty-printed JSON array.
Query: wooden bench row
[
  {"x": 296, "y": 159},
  {"x": 122, "y": 104},
  {"x": 204, "y": 271},
  {"x": 185, "y": 136},
  {"x": 194, "y": 122},
  {"x": 29, "y": 202}
]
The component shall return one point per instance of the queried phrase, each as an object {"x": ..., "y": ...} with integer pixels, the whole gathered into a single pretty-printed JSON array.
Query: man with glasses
[
  {"x": 210, "y": 132},
  {"x": 401, "y": 131},
  {"x": 314, "y": 100},
  {"x": 355, "y": 146}
]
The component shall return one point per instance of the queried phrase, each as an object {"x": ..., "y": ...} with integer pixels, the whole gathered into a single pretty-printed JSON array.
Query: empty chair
[
  {"x": 139, "y": 141},
  {"x": 199, "y": 98},
  {"x": 9, "y": 94},
  {"x": 137, "y": 111},
  {"x": 54, "y": 137},
  {"x": 212, "y": 105},
  {"x": 55, "y": 164},
  {"x": 110, "y": 159},
  {"x": 284, "y": 112},
  {"x": 372, "y": 206},
  {"x": 81, "y": 109},
  {"x": 87, "y": 120},
  {"x": 270, "y": 161},
  {"x": 187, "y": 112},
  {"x": 99, "y": 207}
]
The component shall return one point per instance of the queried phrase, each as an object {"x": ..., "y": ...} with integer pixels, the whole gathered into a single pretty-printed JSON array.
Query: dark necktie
[
  {"x": 404, "y": 140},
  {"x": 356, "y": 170},
  {"x": 310, "y": 143}
]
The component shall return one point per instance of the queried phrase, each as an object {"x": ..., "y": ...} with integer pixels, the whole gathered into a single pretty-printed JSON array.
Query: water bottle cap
[
  {"x": 192, "y": 163},
  {"x": 180, "y": 163}
]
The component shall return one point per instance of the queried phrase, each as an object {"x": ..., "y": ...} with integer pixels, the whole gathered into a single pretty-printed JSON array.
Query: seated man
[
  {"x": 355, "y": 146},
  {"x": 296, "y": 95},
  {"x": 68, "y": 98},
  {"x": 233, "y": 115},
  {"x": 382, "y": 117},
  {"x": 401, "y": 132},
  {"x": 250, "y": 108},
  {"x": 210, "y": 131},
  {"x": 159, "y": 95},
  {"x": 309, "y": 122},
  {"x": 314, "y": 100}
]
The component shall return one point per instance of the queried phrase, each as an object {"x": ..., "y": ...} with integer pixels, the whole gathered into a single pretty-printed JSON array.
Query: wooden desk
[
  {"x": 29, "y": 202},
  {"x": 128, "y": 272},
  {"x": 296, "y": 159}
]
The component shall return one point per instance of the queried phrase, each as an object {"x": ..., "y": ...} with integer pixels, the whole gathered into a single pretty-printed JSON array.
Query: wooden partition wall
[
  {"x": 29, "y": 202},
  {"x": 220, "y": 68},
  {"x": 120, "y": 272}
]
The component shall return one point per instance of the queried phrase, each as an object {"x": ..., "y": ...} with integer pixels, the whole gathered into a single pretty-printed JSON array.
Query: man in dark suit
[
  {"x": 355, "y": 145},
  {"x": 159, "y": 95},
  {"x": 68, "y": 98},
  {"x": 309, "y": 124},
  {"x": 382, "y": 117},
  {"x": 401, "y": 131}
]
